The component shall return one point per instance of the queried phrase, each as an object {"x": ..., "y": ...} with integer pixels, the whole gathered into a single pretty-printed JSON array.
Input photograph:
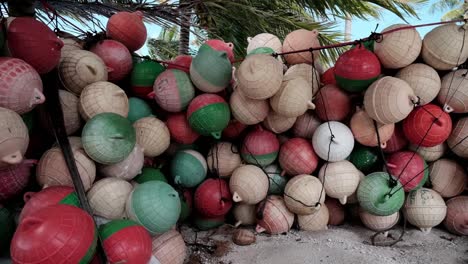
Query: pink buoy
[
  {"x": 273, "y": 217},
  {"x": 181, "y": 62},
  {"x": 332, "y": 103},
  {"x": 397, "y": 141},
  {"x": 260, "y": 147},
  {"x": 409, "y": 168},
  {"x": 127, "y": 28},
  {"x": 220, "y": 45},
  {"x": 116, "y": 57},
  {"x": 14, "y": 179},
  {"x": 180, "y": 129},
  {"x": 306, "y": 125},
  {"x": 233, "y": 130},
  {"x": 297, "y": 156}
]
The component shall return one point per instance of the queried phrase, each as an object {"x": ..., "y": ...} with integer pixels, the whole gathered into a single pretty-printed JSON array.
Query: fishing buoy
[
  {"x": 425, "y": 209},
  {"x": 14, "y": 138},
  {"x": 447, "y": 177},
  {"x": 137, "y": 109},
  {"x": 103, "y": 97},
  {"x": 70, "y": 44},
  {"x": 356, "y": 69},
  {"x": 81, "y": 68},
  {"x": 186, "y": 205},
  {"x": 169, "y": 248},
  {"x": 457, "y": 215},
  {"x": 223, "y": 158},
  {"x": 276, "y": 178},
  {"x": 14, "y": 179},
  {"x": 336, "y": 212},
  {"x": 328, "y": 77},
  {"x": 277, "y": 123},
  {"x": 365, "y": 159},
  {"x": 152, "y": 135},
  {"x": 248, "y": 111},
  {"x": 273, "y": 216},
  {"x": 409, "y": 168},
  {"x": 297, "y": 156},
  {"x": 233, "y": 130},
  {"x": 248, "y": 184},
  {"x": 155, "y": 205},
  {"x": 260, "y": 147},
  {"x": 71, "y": 114},
  {"x": 180, "y": 129},
  {"x": 453, "y": 95},
  {"x": 128, "y": 168},
  {"x": 181, "y": 62},
  {"x": 264, "y": 40},
  {"x": 458, "y": 139},
  {"x": 204, "y": 223},
  {"x": 332, "y": 103},
  {"x": 243, "y": 237},
  {"x": 352, "y": 199},
  {"x": 397, "y": 141},
  {"x": 220, "y": 45},
  {"x": 334, "y": 145},
  {"x": 20, "y": 86},
  {"x": 188, "y": 168},
  {"x": 245, "y": 214},
  {"x": 424, "y": 80},
  {"x": 365, "y": 132},
  {"x": 340, "y": 179},
  {"x": 173, "y": 90},
  {"x": 301, "y": 39},
  {"x": 377, "y": 197},
  {"x": 116, "y": 57},
  {"x": 430, "y": 154},
  {"x": 379, "y": 223},
  {"x": 149, "y": 174},
  {"x": 213, "y": 198},
  {"x": 293, "y": 99},
  {"x": 304, "y": 71},
  {"x": 107, "y": 197},
  {"x": 208, "y": 107},
  {"x": 427, "y": 126},
  {"x": 306, "y": 125},
  {"x": 127, "y": 28},
  {"x": 304, "y": 194},
  {"x": 399, "y": 48},
  {"x": 316, "y": 221},
  {"x": 143, "y": 76}
]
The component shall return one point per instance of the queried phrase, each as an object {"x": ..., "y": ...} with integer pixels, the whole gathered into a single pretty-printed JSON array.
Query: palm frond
[
  {"x": 453, "y": 14},
  {"x": 444, "y": 5}
]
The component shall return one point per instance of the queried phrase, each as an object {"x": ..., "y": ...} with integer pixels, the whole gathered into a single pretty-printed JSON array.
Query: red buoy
[
  {"x": 328, "y": 77},
  {"x": 181, "y": 62},
  {"x": 116, "y": 57},
  {"x": 398, "y": 140},
  {"x": 55, "y": 234},
  {"x": 297, "y": 156},
  {"x": 14, "y": 178},
  {"x": 430, "y": 119},
  {"x": 408, "y": 167},
  {"x": 260, "y": 147},
  {"x": 33, "y": 42},
  {"x": 222, "y": 46},
  {"x": 213, "y": 198},
  {"x": 233, "y": 130},
  {"x": 127, "y": 28},
  {"x": 180, "y": 129},
  {"x": 332, "y": 103}
]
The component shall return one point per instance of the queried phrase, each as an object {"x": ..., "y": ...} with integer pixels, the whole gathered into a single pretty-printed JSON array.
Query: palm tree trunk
[
  {"x": 348, "y": 28},
  {"x": 184, "y": 34}
]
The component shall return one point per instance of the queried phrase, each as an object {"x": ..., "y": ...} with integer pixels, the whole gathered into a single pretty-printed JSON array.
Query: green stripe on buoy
[{"x": 107, "y": 230}]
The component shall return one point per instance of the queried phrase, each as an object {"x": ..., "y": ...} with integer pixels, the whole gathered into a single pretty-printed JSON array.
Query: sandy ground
[{"x": 344, "y": 244}]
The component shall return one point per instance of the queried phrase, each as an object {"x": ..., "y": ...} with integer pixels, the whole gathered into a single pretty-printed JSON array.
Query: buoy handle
[
  {"x": 236, "y": 198},
  {"x": 151, "y": 95},
  {"x": 58, "y": 43},
  {"x": 216, "y": 135},
  {"x": 109, "y": 69},
  {"x": 230, "y": 45},
  {"x": 259, "y": 229},
  {"x": 343, "y": 200},
  {"x": 310, "y": 105},
  {"x": 238, "y": 223},
  {"x": 27, "y": 196},
  {"x": 426, "y": 230},
  {"x": 448, "y": 108},
  {"x": 13, "y": 158},
  {"x": 383, "y": 145},
  {"x": 38, "y": 97},
  {"x": 249, "y": 39}
]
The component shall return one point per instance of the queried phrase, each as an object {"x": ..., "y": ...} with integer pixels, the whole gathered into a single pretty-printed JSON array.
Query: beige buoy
[
  {"x": 108, "y": 196},
  {"x": 52, "y": 169},
  {"x": 14, "y": 138},
  {"x": 70, "y": 44},
  {"x": 447, "y": 177},
  {"x": 152, "y": 135},
  {"x": 424, "y": 208},
  {"x": 458, "y": 139},
  {"x": 245, "y": 214},
  {"x": 299, "y": 40},
  {"x": 307, "y": 72},
  {"x": 398, "y": 49},
  {"x": 248, "y": 111},
  {"x": 456, "y": 220},
  {"x": 304, "y": 194},
  {"x": 248, "y": 184},
  {"x": 364, "y": 130},
  {"x": 169, "y": 248},
  {"x": 430, "y": 154},
  {"x": 223, "y": 158},
  {"x": 103, "y": 97},
  {"x": 306, "y": 125},
  {"x": 341, "y": 179},
  {"x": 389, "y": 100},
  {"x": 453, "y": 95},
  {"x": 264, "y": 40},
  {"x": 259, "y": 76},
  {"x": 314, "y": 222},
  {"x": 75, "y": 143},
  {"x": 71, "y": 114},
  {"x": 80, "y": 68},
  {"x": 293, "y": 99},
  {"x": 274, "y": 217},
  {"x": 424, "y": 80},
  {"x": 379, "y": 223},
  {"x": 127, "y": 169},
  {"x": 277, "y": 123},
  {"x": 352, "y": 199},
  {"x": 243, "y": 237},
  {"x": 444, "y": 47}
]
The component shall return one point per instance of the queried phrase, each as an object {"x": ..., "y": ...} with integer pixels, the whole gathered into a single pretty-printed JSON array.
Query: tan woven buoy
[
  {"x": 127, "y": 169},
  {"x": 169, "y": 248},
  {"x": 398, "y": 49},
  {"x": 314, "y": 222},
  {"x": 277, "y": 123},
  {"x": 423, "y": 79},
  {"x": 293, "y": 99},
  {"x": 308, "y": 190},
  {"x": 52, "y": 169},
  {"x": 378, "y": 223},
  {"x": 307, "y": 72},
  {"x": 306, "y": 125},
  {"x": 458, "y": 140},
  {"x": 248, "y": 111},
  {"x": 389, "y": 100},
  {"x": 424, "y": 208},
  {"x": 14, "y": 138},
  {"x": 68, "y": 46},
  {"x": 75, "y": 143},
  {"x": 245, "y": 214},
  {"x": 453, "y": 95},
  {"x": 264, "y": 40},
  {"x": 364, "y": 130},
  {"x": 275, "y": 216},
  {"x": 103, "y": 97},
  {"x": 152, "y": 135},
  {"x": 341, "y": 179},
  {"x": 447, "y": 177},
  {"x": 352, "y": 199},
  {"x": 443, "y": 47},
  {"x": 108, "y": 196},
  {"x": 71, "y": 114},
  {"x": 259, "y": 76},
  {"x": 243, "y": 237},
  {"x": 80, "y": 68},
  {"x": 248, "y": 184},
  {"x": 456, "y": 220},
  {"x": 223, "y": 158},
  {"x": 430, "y": 154},
  {"x": 299, "y": 40}
]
